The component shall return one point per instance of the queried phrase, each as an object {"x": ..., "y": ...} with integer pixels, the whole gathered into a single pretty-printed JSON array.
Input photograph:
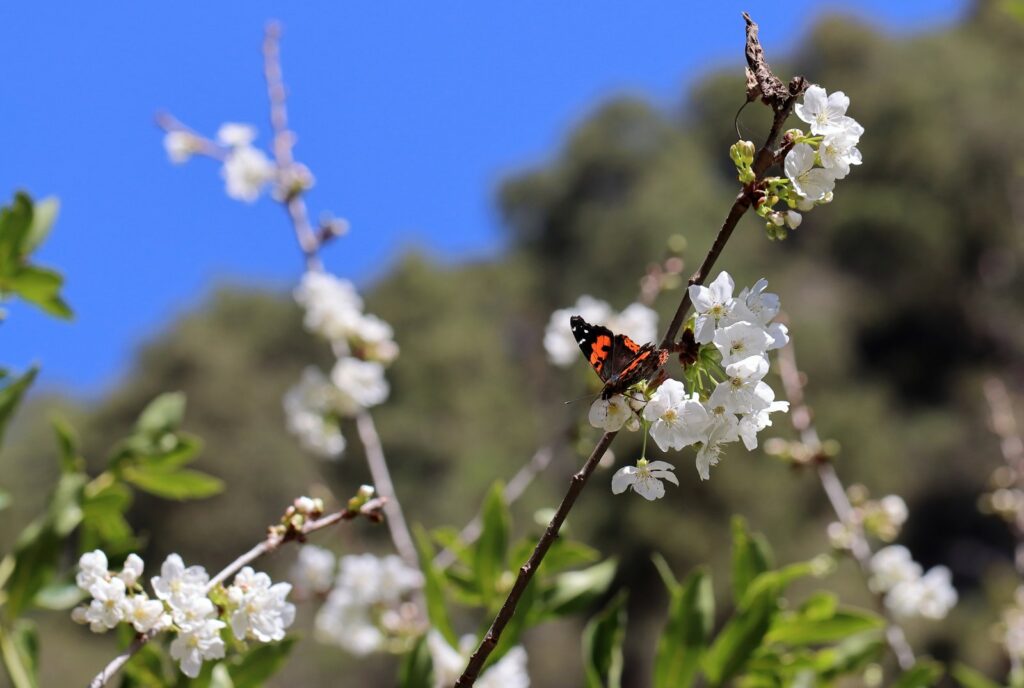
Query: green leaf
[
  {"x": 103, "y": 522},
  {"x": 602, "y": 645},
  {"x": 741, "y": 636},
  {"x": 682, "y": 643},
  {"x": 163, "y": 414},
  {"x": 67, "y": 444},
  {"x": 255, "y": 667},
  {"x": 489, "y": 554},
  {"x": 799, "y": 630},
  {"x": 10, "y": 396},
  {"x": 40, "y": 544},
  {"x": 59, "y": 596},
  {"x": 44, "y": 214},
  {"x": 15, "y": 224},
  {"x": 180, "y": 485},
  {"x": 416, "y": 666},
  {"x": 563, "y": 554},
  {"x": 433, "y": 588},
  {"x": 220, "y": 678},
  {"x": 849, "y": 655},
  {"x": 971, "y": 678},
  {"x": 751, "y": 557},
  {"x": 574, "y": 591},
  {"x": 19, "y": 648},
  {"x": 39, "y": 286},
  {"x": 665, "y": 571},
  {"x": 926, "y": 672}
]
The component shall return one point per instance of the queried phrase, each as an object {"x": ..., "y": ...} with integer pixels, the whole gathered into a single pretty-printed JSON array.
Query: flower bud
[{"x": 793, "y": 219}]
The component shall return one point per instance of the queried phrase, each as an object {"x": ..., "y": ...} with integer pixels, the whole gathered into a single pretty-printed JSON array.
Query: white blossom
[
  {"x": 891, "y": 566},
  {"x": 306, "y": 406},
  {"x": 246, "y": 171},
  {"x": 825, "y": 113},
  {"x": 347, "y": 623},
  {"x": 644, "y": 478},
  {"x": 838, "y": 150},
  {"x": 793, "y": 219},
  {"x": 197, "y": 643},
  {"x": 743, "y": 391},
  {"x": 106, "y": 610},
  {"x": 711, "y": 303},
  {"x": 178, "y": 585},
  {"x": 262, "y": 611},
  {"x": 448, "y": 663},
  {"x": 741, "y": 340},
  {"x": 233, "y": 134},
  {"x": 930, "y": 596},
  {"x": 809, "y": 181},
  {"x": 92, "y": 567},
  {"x": 333, "y": 307},
  {"x": 145, "y": 614},
  {"x": 894, "y": 509},
  {"x": 192, "y": 610},
  {"x": 132, "y": 570},
  {"x": 752, "y": 423},
  {"x": 610, "y": 414},
  {"x": 723, "y": 429},
  {"x": 677, "y": 419},
  {"x": 361, "y": 383},
  {"x": 180, "y": 146}
]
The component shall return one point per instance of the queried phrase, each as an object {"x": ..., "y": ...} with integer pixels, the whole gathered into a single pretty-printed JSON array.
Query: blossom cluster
[
  {"x": 449, "y": 662},
  {"x": 636, "y": 321},
  {"x": 246, "y": 170},
  {"x": 813, "y": 163},
  {"x": 369, "y": 608},
  {"x": 725, "y": 401},
  {"x": 254, "y": 606},
  {"x": 363, "y": 344},
  {"x": 908, "y": 592},
  {"x": 881, "y": 518}
]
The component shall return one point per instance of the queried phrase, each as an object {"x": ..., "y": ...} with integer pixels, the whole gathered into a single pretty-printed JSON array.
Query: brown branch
[
  {"x": 382, "y": 483},
  {"x": 801, "y": 417},
  {"x": 371, "y": 510},
  {"x": 527, "y": 570},
  {"x": 742, "y": 203}
]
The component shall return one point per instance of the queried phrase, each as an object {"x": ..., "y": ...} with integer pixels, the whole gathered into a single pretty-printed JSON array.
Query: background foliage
[{"x": 903, "y": 294}]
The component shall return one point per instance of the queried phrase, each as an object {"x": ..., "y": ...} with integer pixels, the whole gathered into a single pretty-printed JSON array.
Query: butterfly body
[{"x": 618, "y": 360}]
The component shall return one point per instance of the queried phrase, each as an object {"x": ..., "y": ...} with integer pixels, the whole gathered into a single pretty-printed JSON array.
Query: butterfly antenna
[{"x": 586, "y": 396}]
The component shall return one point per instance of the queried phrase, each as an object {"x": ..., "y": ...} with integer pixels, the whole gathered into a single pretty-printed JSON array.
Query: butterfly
[{"x": 618, "y": 360}]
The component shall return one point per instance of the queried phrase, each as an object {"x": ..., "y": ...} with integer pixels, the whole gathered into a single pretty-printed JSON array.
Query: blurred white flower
[
  {"x": 644, "y": 478},
  {"x": 333, "y": 306},
  {"x": 233, "y": 134},
  {"x": 180, "y": 146},
  {"x": 930, "y": 596},
  {"x": 891, "y": 566},
  {"x": 313, "y": 570},
  {"x": 246, "y": 171},
  {"x": 448, "y": 663},
  {"x": 361, "y": 383},
  {"x": 637, "y": 321},
  {"x": 197, "y": 643},
  {"x": 306, "y": 406},
  {"x": 344, "y": 622},
  {"x": 558, "y": 339}
]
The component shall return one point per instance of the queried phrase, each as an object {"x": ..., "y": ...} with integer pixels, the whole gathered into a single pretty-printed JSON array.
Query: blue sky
[{"x": 408, "y": 114}]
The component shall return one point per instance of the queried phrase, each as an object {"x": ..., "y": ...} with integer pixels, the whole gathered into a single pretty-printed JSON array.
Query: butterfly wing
[{"x": 597, "y": 344}]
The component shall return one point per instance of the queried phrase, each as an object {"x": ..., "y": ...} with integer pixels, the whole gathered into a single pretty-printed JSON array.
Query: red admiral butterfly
[{"x": 618, "y": 360}]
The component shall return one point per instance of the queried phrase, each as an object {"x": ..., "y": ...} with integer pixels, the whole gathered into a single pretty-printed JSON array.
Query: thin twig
[
  {"x": 382, "y": 482},
  {"x": 513, "y": 491},
  {"x": 801, "y": 417},
  {"x": 284, "y": 139},
  {"x": 371, "y": 510},
  {"x": 742, "y": 203}
]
